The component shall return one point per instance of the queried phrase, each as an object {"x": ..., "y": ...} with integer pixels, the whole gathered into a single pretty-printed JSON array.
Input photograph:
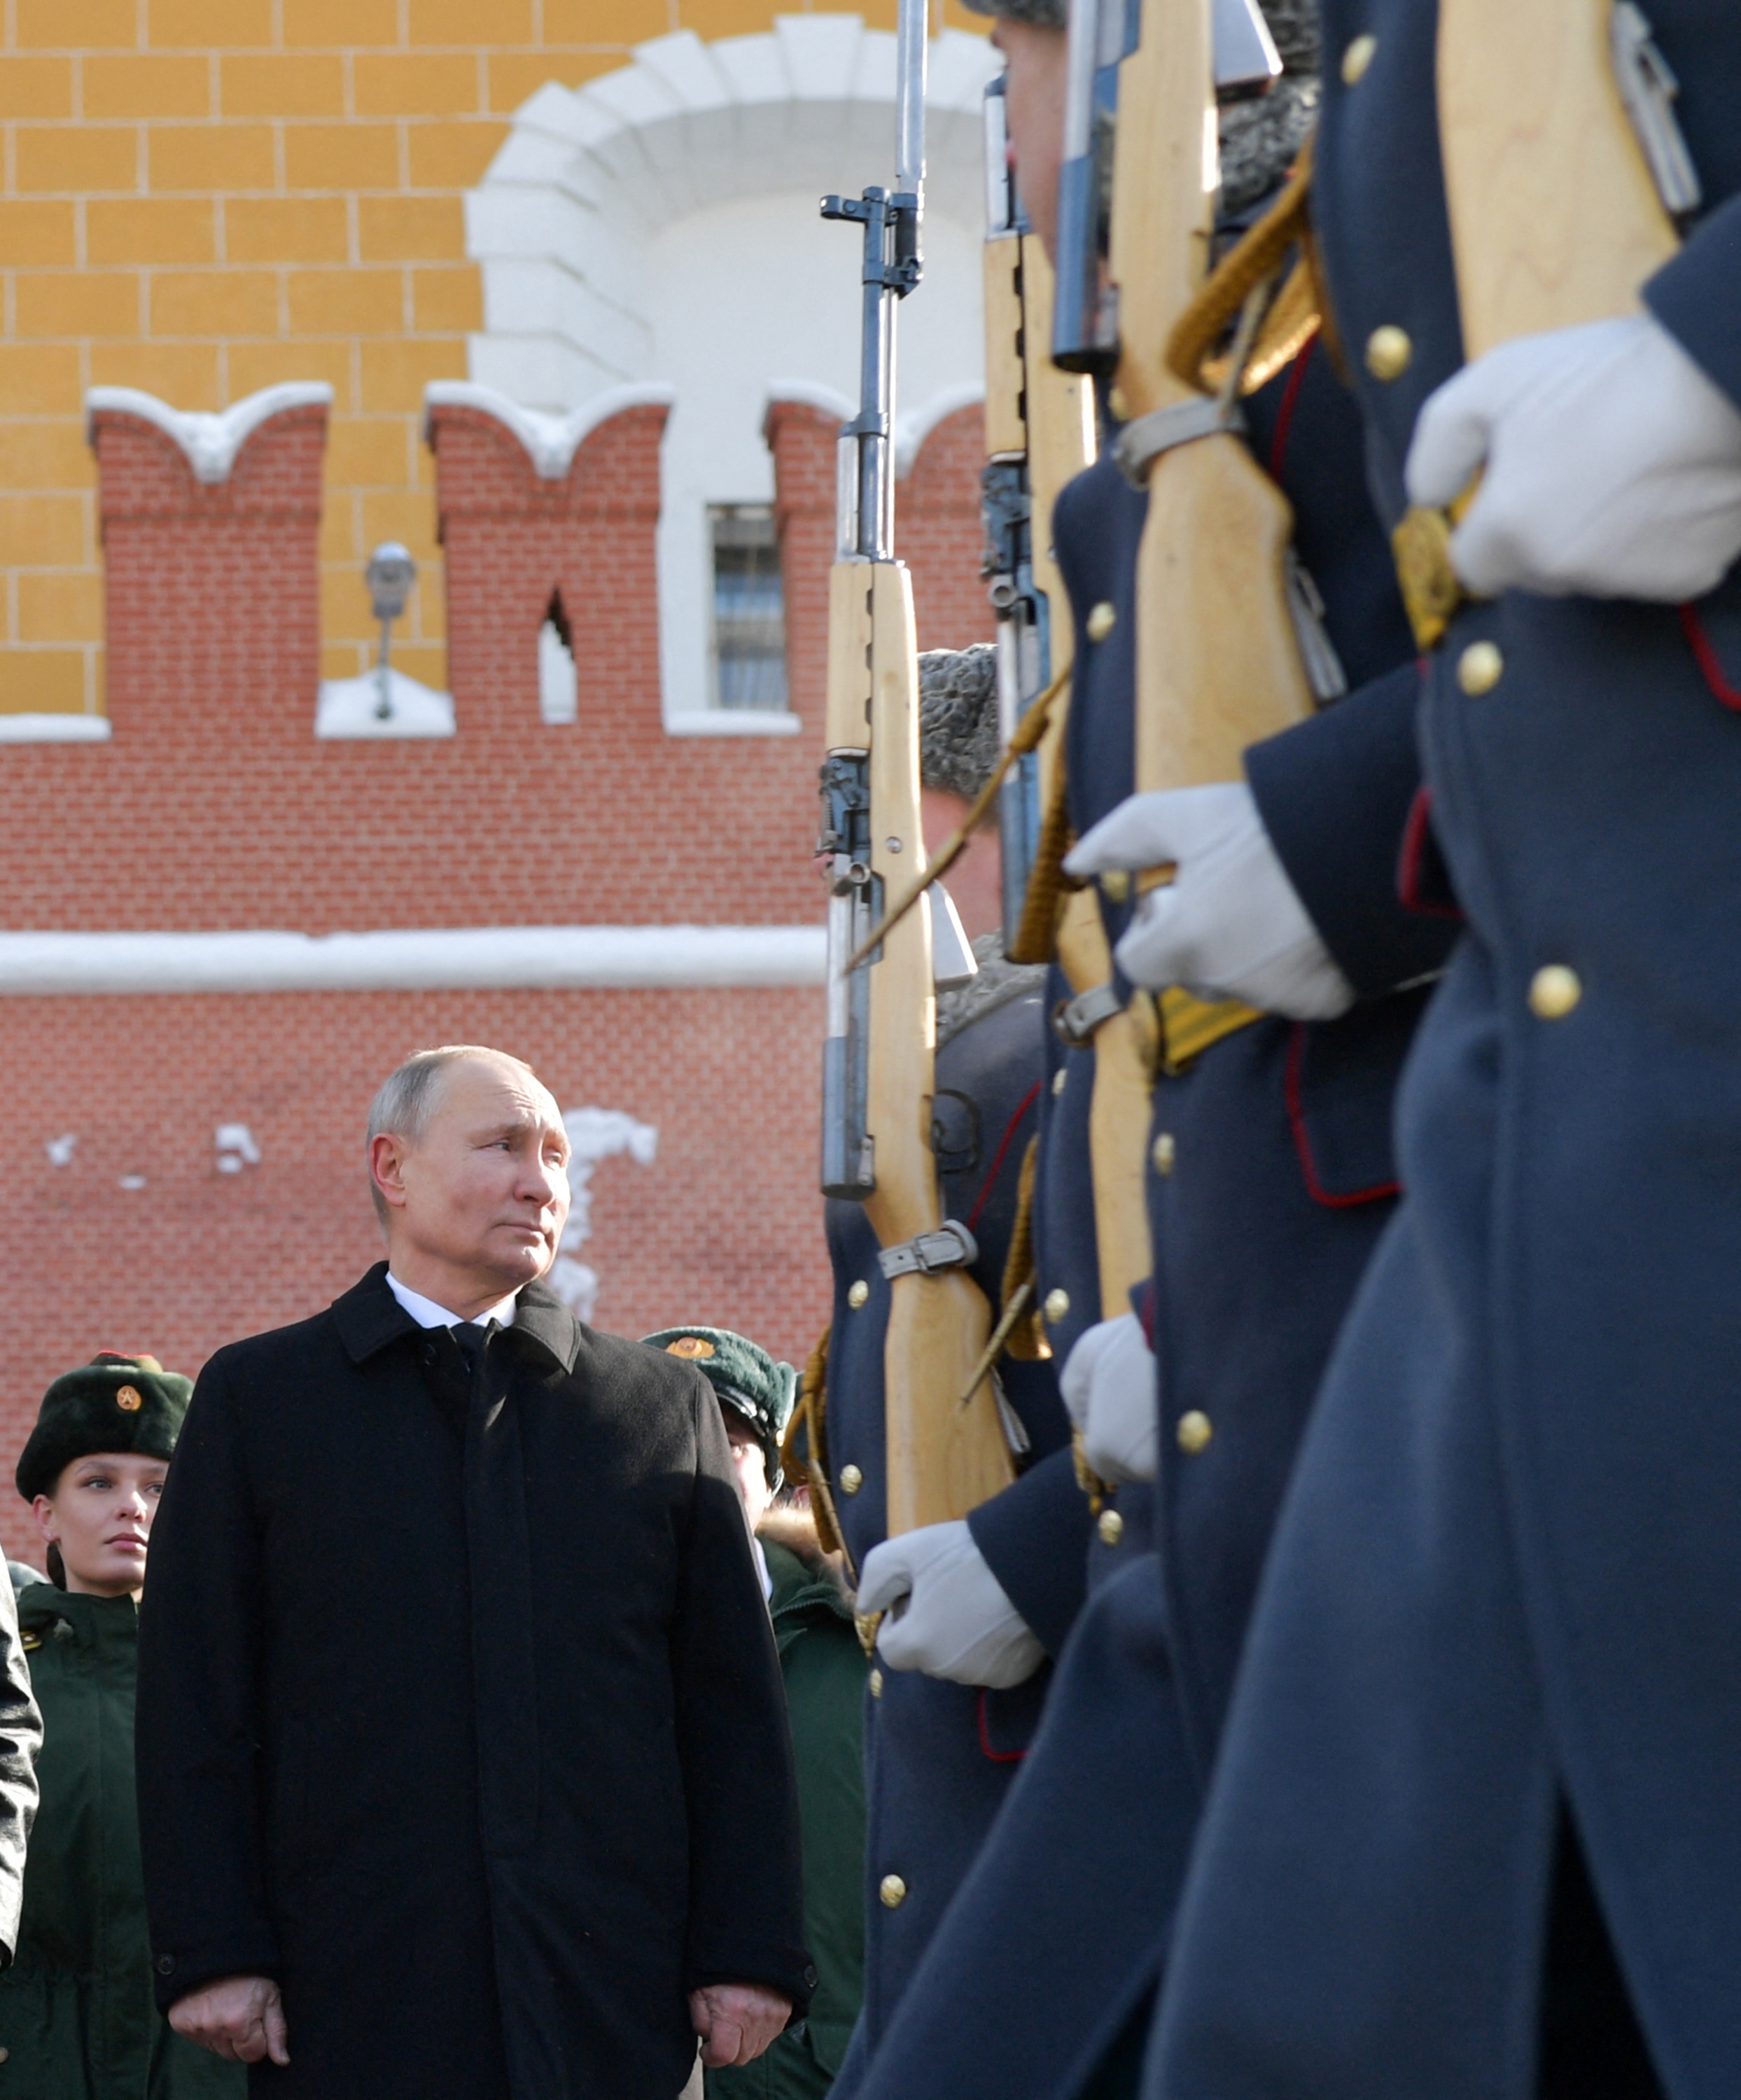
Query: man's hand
[
  {"x": 946, "y": 1614},
  {"x": 242, "y": 2018},
  {"x": 1612, "y": 465},
  {"x": 736, "y": 2022},
  {"x": 1109, "y": 1385},
  {"x": 1230, "y": 925}
]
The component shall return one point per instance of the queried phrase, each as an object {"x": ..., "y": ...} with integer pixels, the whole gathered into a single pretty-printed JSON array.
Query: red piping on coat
[
  {"x": 1302, "y": 1144},
  {"x": 997, "y": 1757},
  {"x": 1291, "y": 399},
  {"x": 1415, "y": 835},
  {"x": 1706, "y": 657},
  {"x": 1028, "y": 1100}
]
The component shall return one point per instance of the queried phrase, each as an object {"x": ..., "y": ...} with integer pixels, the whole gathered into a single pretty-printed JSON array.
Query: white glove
[
  {"x": 1613, "y": 465},
  {"x": 1229, "y": 925},
  {"x": 1108, "y": 1386},
  {"x": 945, "y": 1612}
]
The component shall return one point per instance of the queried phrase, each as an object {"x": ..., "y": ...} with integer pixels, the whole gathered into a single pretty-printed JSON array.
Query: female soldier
[{"x": 76, "y": 2017}]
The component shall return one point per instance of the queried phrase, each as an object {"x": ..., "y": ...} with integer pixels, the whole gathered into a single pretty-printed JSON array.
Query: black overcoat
[{"x": 459, "y": 1709}]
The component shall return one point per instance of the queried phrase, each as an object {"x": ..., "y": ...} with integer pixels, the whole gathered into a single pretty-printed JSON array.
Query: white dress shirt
[{"x": 427, "y": 1313}]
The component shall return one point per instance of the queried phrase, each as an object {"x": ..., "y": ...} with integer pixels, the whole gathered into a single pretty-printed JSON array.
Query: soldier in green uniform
[
  {"x": 77, "y": 2020},
  {"x": 823, "y": 1667}
]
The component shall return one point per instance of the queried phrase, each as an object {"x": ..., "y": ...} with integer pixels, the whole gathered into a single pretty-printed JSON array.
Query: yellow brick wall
[{"x": 203, "y": 197}]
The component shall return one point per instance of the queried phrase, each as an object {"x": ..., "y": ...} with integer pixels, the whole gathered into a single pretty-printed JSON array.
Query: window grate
[{"x": 749, "y": 608}]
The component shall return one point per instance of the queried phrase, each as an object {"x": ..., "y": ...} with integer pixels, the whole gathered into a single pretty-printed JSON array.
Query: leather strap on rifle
[{"x": 1195, "y": 349}]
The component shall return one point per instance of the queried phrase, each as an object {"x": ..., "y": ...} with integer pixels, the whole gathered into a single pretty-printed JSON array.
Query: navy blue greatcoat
[
  {"x": 940, "y": 1756},
  {"x": 1499, "y": 1624},
  {"x": 1281, "y": 1178}
]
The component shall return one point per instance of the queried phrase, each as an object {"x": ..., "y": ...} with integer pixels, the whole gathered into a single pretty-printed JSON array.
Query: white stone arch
[{"x": 659, "y": 226}]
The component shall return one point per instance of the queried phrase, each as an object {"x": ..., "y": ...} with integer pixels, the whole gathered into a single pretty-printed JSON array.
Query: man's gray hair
[{"x": 407, "y": 1097}]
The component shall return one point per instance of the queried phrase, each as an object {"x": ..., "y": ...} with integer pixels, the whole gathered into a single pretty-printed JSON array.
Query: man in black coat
[{"x": 463, "y": 1761}]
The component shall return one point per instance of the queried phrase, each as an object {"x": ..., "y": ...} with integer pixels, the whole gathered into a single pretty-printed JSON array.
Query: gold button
[
  {"x": 1102, "y": 620},
  {"x": 1553, "y": 992},
  {"x": 1163, "y": 1152},
  {"x": 1193, "y": 1432},
  {"x": 851, "y": 1479},
  {"x": 859, "y": 1291},
  {"x": 1058, "y": 1077},
  {"x": 1115, "y": 885},
  {"x": 1389, "y": 352},
  {"x": 1057, "y": 1304},
  {"x": 1356, "y": 59},
  {"x": 1480, "y": 668},
  {"x": 876, "y": 1684},
  {"x": 1111, "y": 1527},
  {"x": 892, "y": 1890}
]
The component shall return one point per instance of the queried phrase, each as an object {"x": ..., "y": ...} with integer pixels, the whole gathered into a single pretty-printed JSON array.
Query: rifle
[
  {"x": 1219, "y": 657},
  {"x": 944, "y": 1455},
  {"x": 1566, "y": 180},
  {"x": 1040, "y": 434}
]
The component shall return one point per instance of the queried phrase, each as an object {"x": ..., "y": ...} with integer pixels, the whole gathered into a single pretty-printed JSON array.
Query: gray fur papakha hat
[
  {"x": 1041, "y": 14},
  {"x": 113, "y": 1403},
  {"x": 958, "y": 717},
  {"x": 746, "y": 1377}
]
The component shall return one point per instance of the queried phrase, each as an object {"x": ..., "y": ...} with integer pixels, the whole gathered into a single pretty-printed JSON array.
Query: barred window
[{"x": 749, "y": 608}]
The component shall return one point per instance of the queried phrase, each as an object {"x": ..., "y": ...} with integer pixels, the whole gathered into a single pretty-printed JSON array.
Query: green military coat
[
  {"x": 824, "y": 1668},
  {"x": 77, "y": 2019}
]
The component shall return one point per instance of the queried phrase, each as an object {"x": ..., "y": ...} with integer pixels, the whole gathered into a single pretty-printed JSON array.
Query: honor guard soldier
[
  {"x": 981, "y": 1602},
  {"x": 1269, "y": 1176},
  {"x": 1477, "y": 1824}
]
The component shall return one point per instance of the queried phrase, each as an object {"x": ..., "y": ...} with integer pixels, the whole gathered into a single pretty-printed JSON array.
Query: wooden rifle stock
[
  {"x": 1555, "y": 219},
  {"x": 942, "y": 1459},
  {"x": 1218, "y": 663}
]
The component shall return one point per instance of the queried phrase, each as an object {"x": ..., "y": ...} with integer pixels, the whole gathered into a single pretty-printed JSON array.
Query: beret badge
[
  {"x": 130, "y": 1398},
  {"x": 690, "y": 1347}
]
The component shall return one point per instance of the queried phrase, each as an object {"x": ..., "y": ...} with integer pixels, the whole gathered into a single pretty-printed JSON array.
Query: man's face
[
  {"x": 484, "y": 1190},
  {"x": 1038, "y": 62},
  {"x": 750, "y": 1462}
]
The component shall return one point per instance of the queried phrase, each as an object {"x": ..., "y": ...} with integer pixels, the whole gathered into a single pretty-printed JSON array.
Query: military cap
[
  {"x": 1041, "y": 14},
  {"x": 746, "y": 1377},
  {"x": 958, "y": 717},
  {"x": 113, "y": 1403}
]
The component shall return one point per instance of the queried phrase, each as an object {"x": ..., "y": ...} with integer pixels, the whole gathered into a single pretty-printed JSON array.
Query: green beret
[
  {"x": 113, "y": 1403},
  {"x": 746, "y": 1378}
]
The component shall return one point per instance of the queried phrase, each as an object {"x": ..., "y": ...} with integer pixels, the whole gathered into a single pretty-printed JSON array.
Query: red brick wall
[
  {"x": 214, "y": 807},
  {"x": 723, "y": 1226}
]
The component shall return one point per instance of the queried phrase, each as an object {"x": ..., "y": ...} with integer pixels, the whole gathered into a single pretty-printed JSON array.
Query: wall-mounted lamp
[{"x": 389, "y": 575}]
